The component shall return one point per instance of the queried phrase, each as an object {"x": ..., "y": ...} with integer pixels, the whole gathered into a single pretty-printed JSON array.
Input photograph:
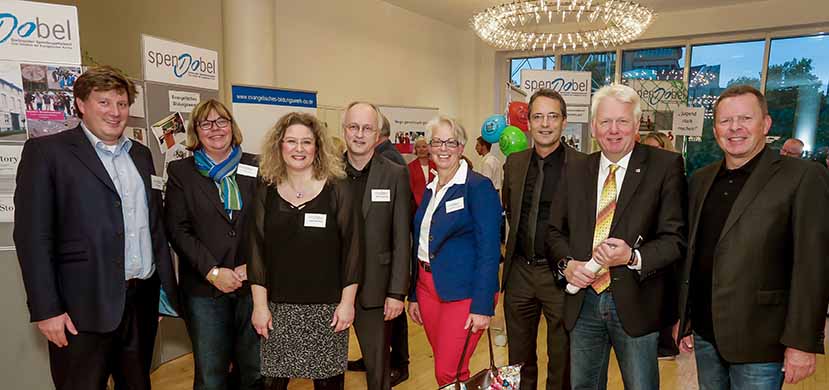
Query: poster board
[
  {"x": 257, "y": 109},
  {"x": 407, "y": 124}
]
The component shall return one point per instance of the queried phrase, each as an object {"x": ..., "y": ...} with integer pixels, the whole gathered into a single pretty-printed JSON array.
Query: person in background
[
  {"x": 456, "y": 254},
  {"x": 207, "y": 202},
  {"x": 492, "y": 167},
  {"x": 531, "y": 179},
  {"x": 755, "y": 281},
  {"x": 422, "y": 169},
  {"x": 793, "y": 147},
  {"x": 90, "y": 241},
  {"x": 380, "y": 189},
  {"x": 659, "y": 140},
  {"x": 306, "y": 256},
  {"x": 385, "y": 148}
]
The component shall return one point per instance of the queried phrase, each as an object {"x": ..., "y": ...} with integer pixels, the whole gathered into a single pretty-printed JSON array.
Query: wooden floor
[{"x": 677, "y": 374}]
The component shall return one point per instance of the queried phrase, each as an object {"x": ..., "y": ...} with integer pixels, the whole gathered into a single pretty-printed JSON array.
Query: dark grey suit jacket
[
  {"x": 651, "y": 204},
  {"x": 512, "y": 196},
  {"x": 771, "y": 274},
  {"x": 387, "y": 233},
  {"x": 69, "y": 232}
]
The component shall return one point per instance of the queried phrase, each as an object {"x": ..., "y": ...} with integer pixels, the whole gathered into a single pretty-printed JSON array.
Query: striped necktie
[{"x": 607, "y": 205}]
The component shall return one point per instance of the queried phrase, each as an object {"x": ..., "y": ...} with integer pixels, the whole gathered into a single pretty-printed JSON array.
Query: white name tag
[
  {"x": 157, "y": 182},
  {"x": 454, "y": 205},
  {"x": 380, "y": 195},
  {"x": 247, "y": 170},
  {"x": 315, "y": 220}
]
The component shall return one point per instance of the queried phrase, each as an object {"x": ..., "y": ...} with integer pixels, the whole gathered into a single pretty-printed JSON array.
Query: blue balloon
[{"x": 492, "y": 128}]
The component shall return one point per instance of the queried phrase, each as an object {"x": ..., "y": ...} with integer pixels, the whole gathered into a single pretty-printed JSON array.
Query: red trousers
[{"x": 443, "y": 322}]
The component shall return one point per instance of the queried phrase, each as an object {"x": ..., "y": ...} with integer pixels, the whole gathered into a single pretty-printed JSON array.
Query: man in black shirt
[
  {"x": 381, "y": 189},
  {"x": 530, "y": 179},
  {"x": 754, "y": 283}
]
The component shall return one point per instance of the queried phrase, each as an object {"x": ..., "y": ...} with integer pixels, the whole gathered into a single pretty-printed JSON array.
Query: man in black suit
[
  {"x": 624, "y": 207},
  {"x": 90, "y": 240},
  {"x": 381, "y": 187},
  {"x": 755, "y": 283},
  {"x": 531, "y": 179}
]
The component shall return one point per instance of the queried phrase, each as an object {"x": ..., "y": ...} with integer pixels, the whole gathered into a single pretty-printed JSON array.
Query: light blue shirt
[{"x": 138, "y": 247}]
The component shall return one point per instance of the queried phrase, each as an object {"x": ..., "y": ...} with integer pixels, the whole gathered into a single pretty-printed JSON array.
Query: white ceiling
[{"x": 458, "y": 12}]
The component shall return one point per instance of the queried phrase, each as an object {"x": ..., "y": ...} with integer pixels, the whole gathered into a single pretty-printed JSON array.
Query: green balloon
[{"x": 512, "y": 140}]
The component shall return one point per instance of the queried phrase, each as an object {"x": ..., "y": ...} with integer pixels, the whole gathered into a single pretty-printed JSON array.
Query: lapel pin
[{"x": 638, "y": 170}]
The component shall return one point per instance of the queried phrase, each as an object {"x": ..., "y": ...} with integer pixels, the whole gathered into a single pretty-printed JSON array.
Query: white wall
[{"x": 371, "y": 50}]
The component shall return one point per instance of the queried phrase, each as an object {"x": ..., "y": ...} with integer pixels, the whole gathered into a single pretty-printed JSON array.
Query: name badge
[
  {"x": 247, "y": 170},
  {"x": 380, "y": 195},
  {"x": 315, "y": 220},
  {"x": 454, "y": 205},
  {"x": 157, "y": 182}
]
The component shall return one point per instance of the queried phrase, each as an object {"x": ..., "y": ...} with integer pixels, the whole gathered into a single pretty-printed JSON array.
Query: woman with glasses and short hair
[
  {"x": 207, "y": 202},
  {"x": 456, "y": 253}
]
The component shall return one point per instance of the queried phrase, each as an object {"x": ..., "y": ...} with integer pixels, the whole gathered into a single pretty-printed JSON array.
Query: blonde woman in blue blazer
[{"x": 456, "y": 253}]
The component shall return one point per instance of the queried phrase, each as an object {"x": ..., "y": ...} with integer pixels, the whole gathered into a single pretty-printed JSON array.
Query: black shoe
[
  {"x": 357, "y": 365},
  {"x": 399, "y": 375}
]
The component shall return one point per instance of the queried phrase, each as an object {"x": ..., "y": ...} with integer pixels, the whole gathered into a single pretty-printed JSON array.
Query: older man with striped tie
[{"x": 618, "y": 229}]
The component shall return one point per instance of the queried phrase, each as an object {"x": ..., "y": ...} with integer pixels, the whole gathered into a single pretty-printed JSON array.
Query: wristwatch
[
  {"x": 562, "y": 264},
  {"x": 213, "y": 274}
]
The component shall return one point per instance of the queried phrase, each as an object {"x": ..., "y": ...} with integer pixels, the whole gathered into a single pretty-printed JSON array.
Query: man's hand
[
  {"x": 414, "y": 312},
  {"x": 612, "y": 252},
  {"x": 53, "y": 327},
  {"x": 392, "y": 308},
  {"x": 227, "y": 281},
  {"x": 687, "y": 342},
  {"x": 578, "y": 275},
  {"x": 798, "y": 365}
]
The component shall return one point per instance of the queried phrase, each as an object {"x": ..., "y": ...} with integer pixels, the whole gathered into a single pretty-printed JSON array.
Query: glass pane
[
  {"x": 796, "y": 90},
  {"x": 519, "y": 64},
  {"x": 713, "y": 69},
  {"x": 665, "y": 63},
  {"x": 601, "y": 65}
]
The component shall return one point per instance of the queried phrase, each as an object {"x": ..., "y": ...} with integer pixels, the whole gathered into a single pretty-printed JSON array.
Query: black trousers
[
  {"x": 400, "y": 342},
  {"x": 530, "y": 291},
  {"x": 373, "y": 336},
  {"x": 125, "y": 353}
]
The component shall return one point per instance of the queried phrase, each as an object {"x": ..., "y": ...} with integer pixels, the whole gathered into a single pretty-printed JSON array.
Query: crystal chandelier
[{"x": 561, "y": 25}]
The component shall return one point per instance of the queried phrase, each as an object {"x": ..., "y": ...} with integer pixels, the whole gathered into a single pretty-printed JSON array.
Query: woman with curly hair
[{"x": 306, "y": 257}]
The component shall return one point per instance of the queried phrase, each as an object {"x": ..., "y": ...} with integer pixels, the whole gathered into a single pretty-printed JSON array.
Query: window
[
  {"x": 713, "y": 69},
  {"x": 601, "y": 65},
  {"x": 796, "y": 90},
  {"x": 666, "y": 63},
  {"x": 519, "y": 64}
]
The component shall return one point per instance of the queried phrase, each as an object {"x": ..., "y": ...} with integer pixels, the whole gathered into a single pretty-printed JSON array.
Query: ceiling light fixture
[{"x": 572, "y": 24}]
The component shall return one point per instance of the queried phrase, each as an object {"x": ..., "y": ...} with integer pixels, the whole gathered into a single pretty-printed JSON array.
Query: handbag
[{"x": 492, "y": 378}]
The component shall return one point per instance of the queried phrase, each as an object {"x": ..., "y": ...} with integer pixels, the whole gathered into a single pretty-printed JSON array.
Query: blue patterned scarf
[{"x": 224, "y": 174}]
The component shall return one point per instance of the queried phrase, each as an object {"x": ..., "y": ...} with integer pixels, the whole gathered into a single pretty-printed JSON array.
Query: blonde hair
[
  {"x": 327, "y": 164},
  {"x": 200, "y": 113},
  {"x": 620, "y": 92},
  {"x": 457, "y": 130},
  {"x": 661, "y": 139}
]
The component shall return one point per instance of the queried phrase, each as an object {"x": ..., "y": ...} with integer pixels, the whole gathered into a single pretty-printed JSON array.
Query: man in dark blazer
[
  {"x": 755, "y": 282},
  {"x": 624, "y": 207},
  {"x": 90, "y": 240},
  {"x": 381, "y": 187},
  {"x": 531, "y": 179}
]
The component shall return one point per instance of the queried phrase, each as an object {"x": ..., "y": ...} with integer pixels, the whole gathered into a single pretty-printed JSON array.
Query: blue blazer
[{"x": 465, "y": 245}]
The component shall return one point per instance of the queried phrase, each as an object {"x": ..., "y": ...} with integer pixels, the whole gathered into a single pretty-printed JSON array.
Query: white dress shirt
[
  {"x": 494, "y": 170},
  {"x": 604, "y": 170},
  {"x": 426, "y": 224}
]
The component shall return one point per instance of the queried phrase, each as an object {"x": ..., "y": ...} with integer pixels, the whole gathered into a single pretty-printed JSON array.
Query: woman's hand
[
  {"x": 227, "y": 280},
  {"x": 477, "y": 321},
  {"x": 343, "y": 317},
  {"x": 261, "y": 320},
  {"x": 414, "y": 312}
]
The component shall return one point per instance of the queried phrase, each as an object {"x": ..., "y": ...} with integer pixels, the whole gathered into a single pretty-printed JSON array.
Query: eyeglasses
[
  {"x": 449, "y": 143},
  {"x": 551, "y": 117},
  {"x": 740, "y": 120},
  {"x": 622, "y": 124},
  {"x": 292, "y": 143},
  {"x": 219, "y": 123},
  {"x": 355, "y": 128}
]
